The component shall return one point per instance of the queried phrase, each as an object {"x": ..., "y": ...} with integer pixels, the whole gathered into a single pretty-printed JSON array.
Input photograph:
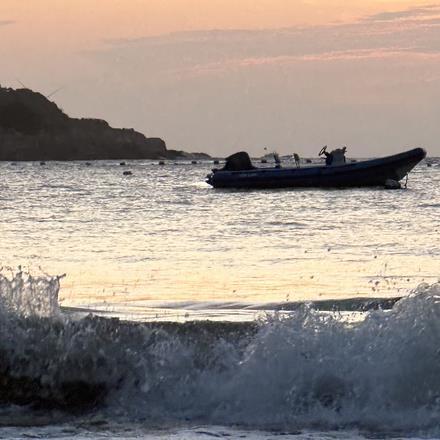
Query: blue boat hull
[{"x": 373, "y": 172}]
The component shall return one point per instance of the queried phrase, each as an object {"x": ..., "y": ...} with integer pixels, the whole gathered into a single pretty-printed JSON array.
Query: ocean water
[
  {"x": 108, "y": 336},
  {"x": 163, "y": 243}
]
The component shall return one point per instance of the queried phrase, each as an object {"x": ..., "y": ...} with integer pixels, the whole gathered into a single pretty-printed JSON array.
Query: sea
[{"x": 148, "y": 305}]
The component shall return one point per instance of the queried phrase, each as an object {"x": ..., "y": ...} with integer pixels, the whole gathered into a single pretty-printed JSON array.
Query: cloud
[
  {"x": 407, "y": 14},
  {"x": 6, "y": 22},
  {"x": 333, "y": 56},
  {"x": 219, "y": 50}
]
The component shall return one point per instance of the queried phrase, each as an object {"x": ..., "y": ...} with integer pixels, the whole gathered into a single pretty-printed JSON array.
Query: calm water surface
[{"x": 163, "y": 237}]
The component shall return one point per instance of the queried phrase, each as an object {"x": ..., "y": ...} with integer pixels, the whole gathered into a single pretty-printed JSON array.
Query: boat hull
[{"x": 373, "y": 172}]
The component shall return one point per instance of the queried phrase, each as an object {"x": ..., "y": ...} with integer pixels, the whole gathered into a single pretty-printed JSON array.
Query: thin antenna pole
[
  {"x": 23, "y": 85},
  {"x": 54, "y": 92}
]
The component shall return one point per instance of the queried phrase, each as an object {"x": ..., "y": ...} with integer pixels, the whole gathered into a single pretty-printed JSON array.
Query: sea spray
[
  {"x": 313, "y": 370},
  {"x": 27, "y": 295},
  {"x": 307, "y": 369}
]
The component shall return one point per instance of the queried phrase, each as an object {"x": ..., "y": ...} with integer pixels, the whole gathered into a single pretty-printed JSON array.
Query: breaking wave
[{"x": 304, "y": 370}]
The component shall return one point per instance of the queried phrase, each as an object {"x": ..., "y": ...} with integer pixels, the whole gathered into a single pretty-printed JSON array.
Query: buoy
[
  {"x": 216, "y": 162},
  {"x": 88, "y": 164},
  {"x": 429, "y": 164},
  {"x": 194, "y": 162},
  {"x": 161, "y": 162},
  {"x": 392, "y": 184},
  {"x": 263, "y": 161},
  {"x": 308, "y": 160},
  {"x": 122, "y": 164},
  {"x": 42, "y": 163},
  {"x": 127, "y": 173}
]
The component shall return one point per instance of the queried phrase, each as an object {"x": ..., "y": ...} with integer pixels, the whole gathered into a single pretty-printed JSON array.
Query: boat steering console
[
  {"x": 335, "y": 157},
  {"x": 322, "y": 151}
]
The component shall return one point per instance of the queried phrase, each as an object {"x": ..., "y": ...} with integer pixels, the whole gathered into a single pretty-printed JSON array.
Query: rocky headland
[{"x": 32, "y": 128}]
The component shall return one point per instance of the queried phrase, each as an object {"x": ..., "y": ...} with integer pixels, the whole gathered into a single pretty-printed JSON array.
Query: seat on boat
[
  {"x": 238, "y": 162},
  {"x": 338, "y": 156}
]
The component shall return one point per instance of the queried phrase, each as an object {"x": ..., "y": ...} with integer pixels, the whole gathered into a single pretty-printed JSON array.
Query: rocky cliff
[{"x": 34, "y": 128}]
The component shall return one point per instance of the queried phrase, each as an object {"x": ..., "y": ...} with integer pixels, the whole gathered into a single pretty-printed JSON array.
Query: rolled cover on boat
[{"x": 238, "y": 162}]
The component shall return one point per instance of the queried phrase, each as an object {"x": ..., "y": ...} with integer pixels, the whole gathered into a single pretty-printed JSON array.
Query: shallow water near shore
[{"x": 150, "y": 257}]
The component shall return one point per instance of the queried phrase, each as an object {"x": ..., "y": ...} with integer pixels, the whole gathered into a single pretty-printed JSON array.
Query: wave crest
[{"x": 305, "y": 370}]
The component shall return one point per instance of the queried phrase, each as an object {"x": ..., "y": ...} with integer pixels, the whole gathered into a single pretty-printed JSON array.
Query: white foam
[{"x": 304, "y": 371}]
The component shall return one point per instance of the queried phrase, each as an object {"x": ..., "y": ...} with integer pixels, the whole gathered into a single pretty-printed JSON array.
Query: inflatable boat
[{"x": 240, "y": 173}]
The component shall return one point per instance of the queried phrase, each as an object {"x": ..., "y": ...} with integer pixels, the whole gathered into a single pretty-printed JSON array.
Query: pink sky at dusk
[
  {"x": 222, "y": 75},
  {"x": 89, "y": 21}
]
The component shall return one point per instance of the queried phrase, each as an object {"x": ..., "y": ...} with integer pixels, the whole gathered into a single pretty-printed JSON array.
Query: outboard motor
[{"x": 238, "y": 162}]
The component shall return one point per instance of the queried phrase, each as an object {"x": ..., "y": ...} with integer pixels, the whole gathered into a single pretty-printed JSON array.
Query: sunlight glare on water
[{"x": 163, "y": 234}]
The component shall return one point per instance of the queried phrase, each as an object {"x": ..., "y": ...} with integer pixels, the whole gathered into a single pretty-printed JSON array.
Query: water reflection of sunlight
[{"x": 163, "y": 237}]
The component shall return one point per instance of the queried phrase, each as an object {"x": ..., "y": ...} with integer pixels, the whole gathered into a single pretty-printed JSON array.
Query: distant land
[{"x": 32, "y": 128}]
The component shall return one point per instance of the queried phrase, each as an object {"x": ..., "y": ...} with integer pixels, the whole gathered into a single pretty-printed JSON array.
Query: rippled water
[
  {"x": 163, "y": 237},
  {"x": 162, "y": 245}
]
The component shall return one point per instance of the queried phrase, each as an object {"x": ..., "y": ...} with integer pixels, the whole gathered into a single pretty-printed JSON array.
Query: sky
[{"x": 220, "y": 76}]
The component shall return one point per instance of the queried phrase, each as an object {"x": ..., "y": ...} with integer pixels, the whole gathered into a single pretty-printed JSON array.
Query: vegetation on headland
[{"x": 34, "y": 128}]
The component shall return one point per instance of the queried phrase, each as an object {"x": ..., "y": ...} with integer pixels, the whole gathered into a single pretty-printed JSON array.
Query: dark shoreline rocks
[{"x": 32, "y": 128}]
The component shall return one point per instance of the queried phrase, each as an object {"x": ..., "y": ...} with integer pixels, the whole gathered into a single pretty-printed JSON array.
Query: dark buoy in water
[
  {"x": 161, "y": 162},
  {"x": 392, "y": 184},
  {"x": 127, "y": 173},
  {"x": 122, "y": 164},
  {"x": 263, "y": 161},
  {"x": 429, "y": 164},
  {"x": 42, "y": 163},
  {"x": 194, "y": 162},
  {"x": 216, "y": 162},
  {"x": 88, "y": 164},
  {"x": 14, "y": 164},
  {"x": 308, "y": 160}
]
